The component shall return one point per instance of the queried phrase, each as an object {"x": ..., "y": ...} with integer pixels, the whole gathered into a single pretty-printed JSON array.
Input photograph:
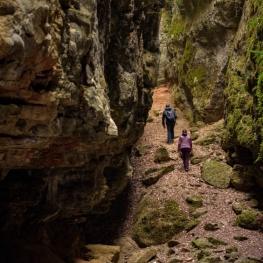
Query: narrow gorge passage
[{"x": 177, "y": 185}]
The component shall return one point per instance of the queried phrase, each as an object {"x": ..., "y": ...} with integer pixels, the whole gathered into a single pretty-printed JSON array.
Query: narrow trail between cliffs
[{"x": 178, "y": 184}]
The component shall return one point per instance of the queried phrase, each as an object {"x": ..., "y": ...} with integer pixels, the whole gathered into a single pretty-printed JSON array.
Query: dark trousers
[
  {"x": 186, "y": 156},
  {"x": 170, "y": 131}
]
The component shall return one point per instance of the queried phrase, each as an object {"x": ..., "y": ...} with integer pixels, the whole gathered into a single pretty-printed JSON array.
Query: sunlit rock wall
[{"x": 75, "y": 90}]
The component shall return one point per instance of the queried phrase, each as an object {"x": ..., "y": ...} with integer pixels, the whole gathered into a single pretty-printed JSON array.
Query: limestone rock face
[
  {"x": 214, "y": 67},
  {"x": 200, "y": 35},
  {"x": 243, "y": 111},
  {"x": 75, "y": 91}
]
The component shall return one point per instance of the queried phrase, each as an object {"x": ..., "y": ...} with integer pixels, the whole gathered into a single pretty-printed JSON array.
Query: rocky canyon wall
[
  {"x": 75, "y": 90},
  {"x": 214, "y": 68},
  {"x": 200, "y": 35}
]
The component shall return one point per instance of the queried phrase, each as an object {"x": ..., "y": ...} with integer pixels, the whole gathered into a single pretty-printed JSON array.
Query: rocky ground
[{"x": 177, "y": 185}]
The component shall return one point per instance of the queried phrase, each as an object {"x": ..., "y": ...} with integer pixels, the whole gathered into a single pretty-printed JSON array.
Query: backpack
[{"x": 170, "y": 115}]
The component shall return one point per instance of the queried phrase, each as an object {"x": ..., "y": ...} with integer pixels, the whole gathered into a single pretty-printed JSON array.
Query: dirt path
[{"x": 180, "y": 184}]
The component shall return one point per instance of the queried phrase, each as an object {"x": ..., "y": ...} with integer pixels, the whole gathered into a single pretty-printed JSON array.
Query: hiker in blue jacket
[{"x": 169, "y": 119}]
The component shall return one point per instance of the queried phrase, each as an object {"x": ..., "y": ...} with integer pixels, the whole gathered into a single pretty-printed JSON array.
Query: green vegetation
[
  {"x": 157, "y": 221},
  {"x": 259, "y": 94},
  {"x": 194, "y": 202},
  {"x": 176, "y": 28},
  {"x": 255, "y": 54},
  {"x": 248, "y": 220}
]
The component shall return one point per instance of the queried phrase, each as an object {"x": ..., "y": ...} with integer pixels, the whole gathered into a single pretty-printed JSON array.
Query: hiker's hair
[
  {"x": 184, "y": 132},
  {"x": 167, "y": 105}
]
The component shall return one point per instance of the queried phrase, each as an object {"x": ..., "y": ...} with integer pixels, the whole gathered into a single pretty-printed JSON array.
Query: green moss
[
  {"x": 244, "y": 129},
  {"x": 192, "y": 224},
  {"x": 196, "y": 75},
  {"x": 188, "y": 54},
  {"x": 166, "y": 169},
  {"x": 176, "y": 95},
  {"x": 161, "y": 155},
  {"x": 207, "y": 140},
  {"x": 202, "y": 243},
  {"x": 150, "y": 170},
  {"x": 259, "y": 94},
  {"x": 194, "y": 202},
  {"x": 216, "y": 173},
  {"x": 156, "y": 221},
  {"x": 248, "y": 220},
  {"x": 216, "y": 241},
  {"x": 176, "y": 28}
]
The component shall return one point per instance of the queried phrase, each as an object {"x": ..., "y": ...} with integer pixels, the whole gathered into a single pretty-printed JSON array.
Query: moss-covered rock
[
  {"x": 199, "y": 212},
  {"x": 161, "y": 155},
  {"x": 149, "y": 118},
  {"x": 253, "y": 203},
  {"x": 152, "y": 175},
  {"x": 156, "y": 222},
  {"x": 211, "y": 226},
  {"x": 202, "y": 243},
  {"x": 175, "y": 260},
  {"x": 231, "y": 249},
  {"x": 192, "y": 224},
  {"x": 216, "y": 173},
  {"x": 143, "y": 255},
  {"x": 210, "y": 260},
  {"x": 199, "y": 159},
  {"x": 203, "y": 253},
  {"x": 207, "y": 140},
  {"x": 242, "y": 177},
  {"x": 194, "y": 200},
  {"x": 248, "y": 219},
  {"x": 195, "y": 136},
  {"x": 232, "y": 255},
  {"x": 237, "y": 208},
  {"x": 141, "y": 149},
  {"x": 216, "y": 241},
  {"x": 104, "y": 253},
  {"x": 240, "y": 238},
  {"x": 172, "y": 243}
]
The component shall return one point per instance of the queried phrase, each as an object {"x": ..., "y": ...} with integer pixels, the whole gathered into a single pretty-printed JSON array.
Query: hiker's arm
[
  {"x": 179, "y": 144},
  {"x": 163, "y": 118}
]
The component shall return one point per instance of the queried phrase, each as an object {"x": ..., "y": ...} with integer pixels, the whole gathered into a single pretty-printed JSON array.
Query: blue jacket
[{"x": 165, "y": 119}]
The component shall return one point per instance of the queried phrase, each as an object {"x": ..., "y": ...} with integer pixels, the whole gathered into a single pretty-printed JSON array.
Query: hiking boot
[{"x": 186, "y": 170}]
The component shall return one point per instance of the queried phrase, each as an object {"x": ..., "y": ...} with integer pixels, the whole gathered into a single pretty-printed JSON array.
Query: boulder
[
  {"x": 242, "y": 177},
  {"x": 143, "y": 255},
  {"x": 103, "y": 253},
  {"x": 141, "y": 149},
  {"x": 152, "y": 175},
  {"x": 161, "y": 155},
  {"x": 248, "y": 219},
  {"x": 216, "y": 173},
  {"x": 157, "y": 221}
]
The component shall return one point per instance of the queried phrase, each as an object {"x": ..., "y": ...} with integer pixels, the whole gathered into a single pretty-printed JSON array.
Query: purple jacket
[{"x": 184, "y": 142}]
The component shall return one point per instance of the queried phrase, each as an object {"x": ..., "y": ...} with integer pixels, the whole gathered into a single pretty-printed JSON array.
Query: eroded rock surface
[
  {"x": 75, "y": 90},
  {"x": 200, "y": 35}
]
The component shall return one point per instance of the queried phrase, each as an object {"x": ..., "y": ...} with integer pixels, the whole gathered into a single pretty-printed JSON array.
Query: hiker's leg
[
  {"x": 187, "y": 156},
  {"x": 183, "y": 154},
  {"x": 169, "y": 134},
  {"x": 172, "y": 131}
]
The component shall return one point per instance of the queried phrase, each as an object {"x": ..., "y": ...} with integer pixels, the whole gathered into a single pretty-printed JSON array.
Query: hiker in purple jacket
[{"x": 185, "y": 146}]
